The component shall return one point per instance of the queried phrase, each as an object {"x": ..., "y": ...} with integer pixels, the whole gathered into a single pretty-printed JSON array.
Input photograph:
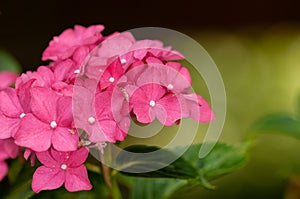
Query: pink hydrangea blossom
[
  {"x": 153, "y": 101},
  {"x": 64, "y": 45},
  {"x": 61, "y": 168},
  {"x": 51, "y": 122},
  {"x": 124, "y": 46},
  {"x": 92, "y": 86},
  {"x": 45, "y": 77}
]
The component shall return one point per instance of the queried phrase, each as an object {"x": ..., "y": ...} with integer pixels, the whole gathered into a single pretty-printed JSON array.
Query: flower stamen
[
  {"x": 53, "y": 124},
  {"x": 152, "y": 103},
  {"x": 63, "y": 166},
  {"x": 123, "y": 61},
  {"x": 111, "y": 79},
  {"x": 91, "y": 120}
]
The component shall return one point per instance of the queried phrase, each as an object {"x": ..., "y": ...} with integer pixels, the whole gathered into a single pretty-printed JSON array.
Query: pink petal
[
  {"x": 83, "y": 108},
  {"x": 63, "y": 70},
  {"x": 153, "y": 60},
  {"x": 77, "y": 179},
  {"x": 180, "y": 81},
  {"x": 65, "y": 139},
  {"x": 122, "y": 129},
  {"x": 196, "y": 107},
  {"x": 80, "y": 55},
  {"x": 90, "y": 35},
  {"x": 97, "y": 136},
  {"x": 144, "y": 113},
  {"x": 168, "y": 110},
  {"x": 47, "y": 159},
  {"x": 44, "y": 76},
  {"x": 3, "y": 170},
  {"x": 11, "y": 148},
  {"x": 109, "y": 128},
  {"x": 152, "y": 75},
  {"x": 115, "y": 71},
  {"x": 206, "y": 114},
  {"x": 140, "y": 101},
  {"x": 62, "y": 88},
  {"x": 43, "y": 104},
  {"x": 9, "y": 126},
  {"x": 27, "y": 153},
  {"x": 116, "y": 45},
  {"x": 78, "y": 157},
  {"x": 182, "y": 70},
  {"x": 45, "y": 178},
  {"x": 24, "y": 94},
  {"x": 7, "y": 78},
  {"x": 59, "y": 156},
  {"x": 34, "y": 134},
  {"x": 32, "y": 154},
  {"x": 141, "y": 47},
  {"x": 103, "y": 105},
  {"x": 9, "y": 103},
  {"x": 3, "y": 152},
  {"x": 154, "y": 91},
  {"x": 64, "y": 112}
]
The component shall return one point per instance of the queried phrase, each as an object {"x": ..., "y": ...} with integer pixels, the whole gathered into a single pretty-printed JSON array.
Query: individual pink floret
[
  {"x": 51, "y": 122},
  {"x": 152, "y": 101},
  {"x": 61, "y": 168}
]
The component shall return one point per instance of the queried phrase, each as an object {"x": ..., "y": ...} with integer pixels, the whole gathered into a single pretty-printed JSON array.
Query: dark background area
[{"x": 28, "y": 26}]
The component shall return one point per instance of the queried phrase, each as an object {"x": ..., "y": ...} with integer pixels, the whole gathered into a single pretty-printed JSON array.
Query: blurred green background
[
  {"x": 261, "y": 77},
  {"x": 256, "y": 46}
]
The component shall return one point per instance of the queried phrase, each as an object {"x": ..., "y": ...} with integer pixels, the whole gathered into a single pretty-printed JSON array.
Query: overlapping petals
[{"x": 86, "y": 96}]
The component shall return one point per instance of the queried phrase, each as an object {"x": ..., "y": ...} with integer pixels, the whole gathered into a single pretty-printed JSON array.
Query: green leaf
[
  {"x": 133, "y": 162},
  {"x": 155, "y": 188},
  {"x": 279, "y": 123},
  {"x": 222, "y": 160},
  {"x": 21, "y": 191},
  {"x": 8, "y": 62}
]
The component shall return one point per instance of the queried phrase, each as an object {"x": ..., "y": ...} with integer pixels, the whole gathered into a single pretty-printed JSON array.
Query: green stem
[{"x": 116, "y": 194}]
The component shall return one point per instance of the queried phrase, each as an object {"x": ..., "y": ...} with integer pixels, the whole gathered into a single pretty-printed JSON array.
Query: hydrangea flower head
[{"x": 86, "y": 96}]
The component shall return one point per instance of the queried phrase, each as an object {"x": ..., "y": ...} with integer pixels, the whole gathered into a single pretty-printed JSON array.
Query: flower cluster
[
  {"x": 7, "y": 147},
  {"x": 87, "y": 94}
]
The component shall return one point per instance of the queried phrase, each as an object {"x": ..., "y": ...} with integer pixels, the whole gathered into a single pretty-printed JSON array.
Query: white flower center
[
  {"x": 170, "y": 86},
  {"x": 22, "y": 115},
  {"x": 63, "y": 166},
  {"x": 152, "y": 103},
  {"x": 123, "y": 61},
  {"x": 111, "y": 79},
  {"x": 53, "y": 124},
  {"x": 91, "y": 120},
  {"x": 77, "y": 71}
]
